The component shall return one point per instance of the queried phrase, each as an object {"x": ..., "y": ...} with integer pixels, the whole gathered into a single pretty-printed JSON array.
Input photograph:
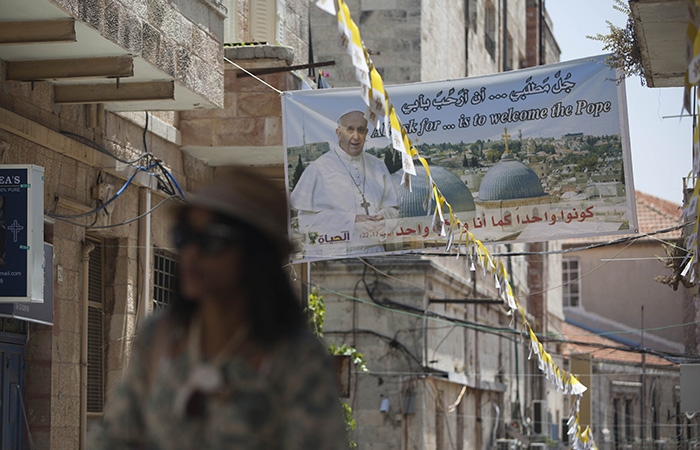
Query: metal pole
[{"x": 644, "y": 386}]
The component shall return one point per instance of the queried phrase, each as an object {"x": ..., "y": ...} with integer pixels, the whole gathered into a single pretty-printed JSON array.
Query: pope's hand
[{"x": 369, "y": 223}]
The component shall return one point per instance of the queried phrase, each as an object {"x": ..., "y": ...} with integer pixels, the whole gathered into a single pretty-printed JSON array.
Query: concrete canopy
[
  {"x": 156, "y": 62},
  {"x": 660, "y": 26}
]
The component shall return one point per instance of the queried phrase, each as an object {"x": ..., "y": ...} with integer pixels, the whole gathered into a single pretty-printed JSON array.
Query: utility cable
[
  {"x": 126, "y": 222},
  {"x": 99, "y": 208}
]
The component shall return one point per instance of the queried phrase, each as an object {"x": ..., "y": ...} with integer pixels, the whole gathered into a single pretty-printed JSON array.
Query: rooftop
[
  {"x": 653, "y": 214},
  {"x": 604, "y": 349}
]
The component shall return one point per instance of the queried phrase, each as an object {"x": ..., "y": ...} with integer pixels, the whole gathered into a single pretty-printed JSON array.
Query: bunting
[
  {"x": 689, "y": 266},
  {"x": 380, "y": 109}
]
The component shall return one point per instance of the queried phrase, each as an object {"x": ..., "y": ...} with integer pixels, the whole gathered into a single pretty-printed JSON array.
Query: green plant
[
  {"x": 350, "y": 423},
  {"x": 316, "y": 308},
  {"x": 626, "y": 55},
  {"x": 317, "y": 312},
  {"x": 356, "y": 357}
]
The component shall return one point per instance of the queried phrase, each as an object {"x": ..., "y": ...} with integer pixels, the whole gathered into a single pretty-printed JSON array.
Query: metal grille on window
[
  {"x": 14, "y": 326},
  {"x": 164, "y": 269},
  {"x": 95, "y": 368}
]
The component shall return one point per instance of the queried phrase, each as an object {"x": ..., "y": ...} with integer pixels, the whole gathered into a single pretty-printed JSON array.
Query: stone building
[
  {"x": 437, "y": 40},
  {"x": 618, "y": 291},
  {"x": 436, "y": 340},
  {"x": 616, "y": 376},
  {"x": 138, "y": 100},
  {"x": 445, "y": 368},
  {"x": 124, "y": 104}
]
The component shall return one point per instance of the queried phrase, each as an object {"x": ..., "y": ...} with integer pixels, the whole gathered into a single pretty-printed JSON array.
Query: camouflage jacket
[{"x": 292, "y": 403}]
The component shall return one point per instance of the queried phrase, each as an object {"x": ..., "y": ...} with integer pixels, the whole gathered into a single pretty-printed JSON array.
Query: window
[
  {"x": 164, "y": 269},
  {"x": 509, "y": 53},
  {"x": 571, "y": 278},
  {"x": 95, "y": 368},
  {"x": 439, "y": 421},
  {"x": 231, "y": 21},
  {"x": 629, "y": 434},
  {"x": 490, "y": 29},
  {"x": 617, "y": 432},
  {"x": 267, "y": 20}
]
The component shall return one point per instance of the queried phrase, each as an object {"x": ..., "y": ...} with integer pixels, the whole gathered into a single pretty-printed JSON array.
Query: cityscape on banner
[{"x": 559, "y": 171}]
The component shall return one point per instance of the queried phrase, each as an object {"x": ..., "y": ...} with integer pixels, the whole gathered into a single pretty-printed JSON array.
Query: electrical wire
[
  {"x": 597, "y": 245},
  {"x": 508, "y": 333},
  {"x": 165, "y": 179},
  {"x": 126, "y": 222},
  {"x": 99, "y": 208},
  {"x": 590, "y": 246},
  {"x": 95, "y": 146},
  {"x": 393, "y": 343}
]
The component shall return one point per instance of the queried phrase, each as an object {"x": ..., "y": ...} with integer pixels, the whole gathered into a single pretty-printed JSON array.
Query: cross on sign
[
  {"x": 505, "y": 136},
  {"x": 15, "y": 228}
]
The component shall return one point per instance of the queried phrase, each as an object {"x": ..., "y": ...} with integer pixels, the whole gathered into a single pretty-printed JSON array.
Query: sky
[{"x": 661, "y": 145}]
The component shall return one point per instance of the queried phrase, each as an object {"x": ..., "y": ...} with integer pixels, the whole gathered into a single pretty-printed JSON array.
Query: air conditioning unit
[
  {"x": 507, "y": 444},
  {"x": 540, "y": 422},
  {"x": 538, "y": 446}
]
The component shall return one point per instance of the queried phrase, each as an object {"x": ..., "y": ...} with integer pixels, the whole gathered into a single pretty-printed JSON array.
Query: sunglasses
[{"x": 212, "y": 241}]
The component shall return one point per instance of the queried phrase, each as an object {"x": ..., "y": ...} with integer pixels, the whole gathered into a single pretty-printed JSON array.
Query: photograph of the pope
[{"x": 344, "y": 202}]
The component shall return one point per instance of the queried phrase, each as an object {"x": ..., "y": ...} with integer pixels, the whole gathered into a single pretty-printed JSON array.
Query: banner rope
[
  {"x": 689, "y": 266},
  {"x": 381, "y": 110},
  {"x": 254, "y": 76}
]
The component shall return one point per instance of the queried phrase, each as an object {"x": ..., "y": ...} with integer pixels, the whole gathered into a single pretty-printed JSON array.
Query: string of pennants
[
  {"x": 381, "y": 110},
  {"x": 692, "y": 77}
]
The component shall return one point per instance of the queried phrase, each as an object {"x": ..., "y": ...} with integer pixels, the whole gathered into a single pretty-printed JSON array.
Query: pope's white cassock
[{"x": 332, "y": 191}]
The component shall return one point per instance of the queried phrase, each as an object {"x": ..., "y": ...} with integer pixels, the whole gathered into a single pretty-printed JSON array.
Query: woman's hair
[{"x": 273, "y": 310}]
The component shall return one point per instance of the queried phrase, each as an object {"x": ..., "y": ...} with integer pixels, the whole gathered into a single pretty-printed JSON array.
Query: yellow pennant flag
[
  {"x": 352, "y": 43},
  {"x": 398, "y": 142}
]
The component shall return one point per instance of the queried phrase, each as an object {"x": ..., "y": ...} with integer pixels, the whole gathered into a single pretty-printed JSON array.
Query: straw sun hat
[{"x": 240, "y": 193}]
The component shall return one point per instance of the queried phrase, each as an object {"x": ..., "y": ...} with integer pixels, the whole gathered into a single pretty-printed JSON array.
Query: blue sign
[
  {"x": 21, "y": 234},
  {"x": 14, "y": 230}
]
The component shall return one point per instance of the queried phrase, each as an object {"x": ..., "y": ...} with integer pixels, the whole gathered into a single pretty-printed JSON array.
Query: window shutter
[
  {"x": 95, "y": 368},
  {"x": 263, "y": 21},
  {"x": 280, "y": 19},
  {"x": 230, "y": 28}
]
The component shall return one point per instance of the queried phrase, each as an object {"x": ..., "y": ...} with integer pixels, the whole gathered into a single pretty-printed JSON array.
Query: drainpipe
[
  {"x": 145, "y": 250},
  {"x": 505, "y": 36},
  {"x": 540, "y": 32},
  {"x": 87, "y": 248}
]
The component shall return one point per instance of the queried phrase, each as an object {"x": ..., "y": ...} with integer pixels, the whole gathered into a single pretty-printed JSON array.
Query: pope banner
[{"x": 529, "y": 155}]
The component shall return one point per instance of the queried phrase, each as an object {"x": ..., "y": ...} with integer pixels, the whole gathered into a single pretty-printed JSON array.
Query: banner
[
  {"x": 21, "y": 233},
  {"x": 529, "y": 155}
]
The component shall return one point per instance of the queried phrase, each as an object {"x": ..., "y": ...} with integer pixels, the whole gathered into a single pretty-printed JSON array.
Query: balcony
[
  {"x": 128, "y": 55},
  {"x": 660, "y": 26}
]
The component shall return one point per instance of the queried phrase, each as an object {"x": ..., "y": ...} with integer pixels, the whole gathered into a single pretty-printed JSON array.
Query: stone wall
[
  {"x": 383, "y": 307},
  {"x": 34, "y": 131},
  {"x": 182, "y": 39},
  {"x": 443, "y": 40},
  {"x": 391, "y": 30}
]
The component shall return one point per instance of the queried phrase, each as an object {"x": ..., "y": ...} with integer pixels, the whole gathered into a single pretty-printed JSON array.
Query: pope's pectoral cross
[{"x": 365, "y": 204}]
